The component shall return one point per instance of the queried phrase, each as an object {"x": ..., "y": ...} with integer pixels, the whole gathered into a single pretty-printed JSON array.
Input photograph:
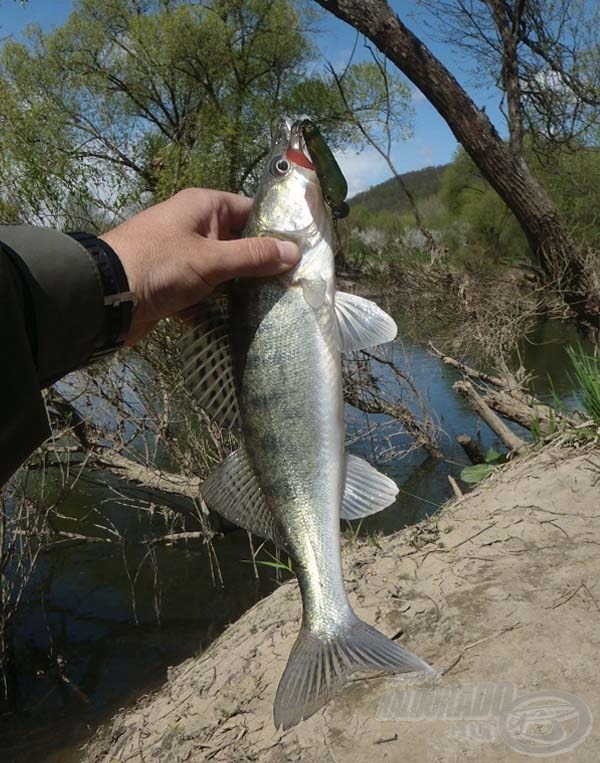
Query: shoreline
[{"x": 497, "y": 586}]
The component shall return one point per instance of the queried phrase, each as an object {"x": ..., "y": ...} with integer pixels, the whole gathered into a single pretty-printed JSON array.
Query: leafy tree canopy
[{"x": 132, "y": 100}]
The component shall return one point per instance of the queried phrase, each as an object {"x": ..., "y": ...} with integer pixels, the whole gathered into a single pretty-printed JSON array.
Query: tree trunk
[{"x": 508, "y": 174}]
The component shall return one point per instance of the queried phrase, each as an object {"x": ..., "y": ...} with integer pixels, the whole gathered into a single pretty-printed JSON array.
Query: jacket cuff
[{"x": 65, "y": 296}]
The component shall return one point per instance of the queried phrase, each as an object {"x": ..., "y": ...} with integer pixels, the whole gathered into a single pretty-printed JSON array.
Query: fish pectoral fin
[
  {"x": 362, "y": 323},
  {"x": 207, "y": 364},
  {"x": 366, "y": 491},
  {"x": 313, "y": 291},
  {"x": 234, "y": 493},
  {"x": 318, "y": 667}
]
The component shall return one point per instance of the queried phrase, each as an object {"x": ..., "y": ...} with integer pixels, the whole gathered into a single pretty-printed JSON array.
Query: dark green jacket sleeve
[{"x": 51, "y": 320}]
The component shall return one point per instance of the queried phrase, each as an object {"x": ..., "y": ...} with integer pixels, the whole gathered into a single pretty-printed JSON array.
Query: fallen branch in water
[
  {"x": 471, "y": 448},
  {"x": 479, "y": 405},
  {"x": 505, "y": 395},
  {"x": 363, "y": 390}
]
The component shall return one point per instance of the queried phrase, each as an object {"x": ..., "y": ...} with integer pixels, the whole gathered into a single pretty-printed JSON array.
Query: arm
[
  {"x": 52, "y": 316},
  {"x": 48, "y": 284}
]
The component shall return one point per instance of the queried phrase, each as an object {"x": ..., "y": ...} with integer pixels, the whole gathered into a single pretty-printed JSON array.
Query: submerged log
[
  {"x": 471, "y": 448},
  {"x": 509, "y": 438},
  {"x": 505, "y": 395}
]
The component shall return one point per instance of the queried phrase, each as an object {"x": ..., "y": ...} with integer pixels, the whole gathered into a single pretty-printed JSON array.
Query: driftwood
[
  {"x": 509, "y": 438},
  {"x": 466, "y": 370},
  {"x": 455, "y": 488},
  {"x": 471, "y": 448},
  {"x": 523, "y": 409},
  {"x": 145, "y": 477},
  {"x": 505, "y": 395},
  {"x": 82, "y": 445}
]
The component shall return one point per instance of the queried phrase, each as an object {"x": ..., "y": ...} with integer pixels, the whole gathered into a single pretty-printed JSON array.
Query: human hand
[{"x": 176, "y": 252}]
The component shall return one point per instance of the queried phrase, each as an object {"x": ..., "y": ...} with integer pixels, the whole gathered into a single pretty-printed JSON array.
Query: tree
[
  {"x": 503, "y": 165},
  {"x": 490, "y": 226},
  {"x": 133, "y": 100},
  {"x": 543, "y": 57}
]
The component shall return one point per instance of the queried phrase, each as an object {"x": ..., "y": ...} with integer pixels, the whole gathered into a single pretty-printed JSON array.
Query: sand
[{"x": 501, "y": 586}]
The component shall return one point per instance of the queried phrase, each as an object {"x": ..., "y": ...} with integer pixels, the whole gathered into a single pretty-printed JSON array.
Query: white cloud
[{"x": 551, "y": 81}]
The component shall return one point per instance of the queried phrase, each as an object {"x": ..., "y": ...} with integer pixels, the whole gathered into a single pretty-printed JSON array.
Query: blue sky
[{"x": 432, "y": 142}]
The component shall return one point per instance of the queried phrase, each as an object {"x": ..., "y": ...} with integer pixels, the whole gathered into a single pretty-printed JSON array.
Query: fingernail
[{"x": 289, "y": 253}]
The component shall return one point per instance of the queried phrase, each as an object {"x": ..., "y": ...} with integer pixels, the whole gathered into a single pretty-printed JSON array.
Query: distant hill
[{"x": 389, "y": 196}]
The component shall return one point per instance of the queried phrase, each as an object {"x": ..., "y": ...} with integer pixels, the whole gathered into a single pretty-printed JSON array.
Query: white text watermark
[{"x": 539, "y": 723}]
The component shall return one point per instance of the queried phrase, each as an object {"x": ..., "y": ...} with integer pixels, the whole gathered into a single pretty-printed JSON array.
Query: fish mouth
[
  {"x": 282, "y": 135},
  {"x": 289, "y": 142}
]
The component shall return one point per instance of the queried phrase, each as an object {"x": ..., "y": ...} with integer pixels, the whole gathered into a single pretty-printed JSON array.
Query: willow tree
[
  {"x": 520, "y": 37},
  {"x": 132, "y": 100}
]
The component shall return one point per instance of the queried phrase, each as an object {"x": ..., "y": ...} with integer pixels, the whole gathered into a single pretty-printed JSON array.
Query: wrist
[{"x": 119, "y": 300}]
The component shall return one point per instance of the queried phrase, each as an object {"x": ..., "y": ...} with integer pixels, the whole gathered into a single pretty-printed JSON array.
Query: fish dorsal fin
[
  {"x": 362, "y": 323},
  {"x": 207, "y": 365},
  {"x": 234, "y": 493},
  {"x": 366, "y": 490}
]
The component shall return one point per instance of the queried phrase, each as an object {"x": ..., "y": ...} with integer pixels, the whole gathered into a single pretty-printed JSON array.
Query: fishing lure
[{"x": 332, "y": 180}]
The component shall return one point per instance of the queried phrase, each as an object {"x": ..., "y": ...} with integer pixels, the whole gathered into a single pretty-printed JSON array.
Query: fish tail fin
[{"x": 318, "y": 667}]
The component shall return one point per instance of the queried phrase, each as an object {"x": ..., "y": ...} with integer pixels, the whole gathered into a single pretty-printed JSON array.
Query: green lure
[{"x": 333, "y": 183}]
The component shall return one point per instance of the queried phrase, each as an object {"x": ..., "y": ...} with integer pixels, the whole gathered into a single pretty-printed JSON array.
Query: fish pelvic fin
[
  {"x": 318, "y": 667},
  {"x": 361, "y": 323}
]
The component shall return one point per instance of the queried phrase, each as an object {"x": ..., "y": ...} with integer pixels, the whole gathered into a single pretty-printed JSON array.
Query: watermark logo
[{"x": 539, "y": 724}]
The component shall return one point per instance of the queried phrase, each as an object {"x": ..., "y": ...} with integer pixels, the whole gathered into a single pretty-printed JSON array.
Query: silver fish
[{"x": 269, "y": 364}]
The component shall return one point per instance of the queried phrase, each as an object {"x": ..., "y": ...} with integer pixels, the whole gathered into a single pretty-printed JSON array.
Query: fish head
[{"x": 289, "y": 202}]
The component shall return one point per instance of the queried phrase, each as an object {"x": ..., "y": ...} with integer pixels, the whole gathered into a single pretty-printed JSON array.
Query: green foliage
[
  {"x": 572, "y": 177},
  {"x": 478, "y": 472},
  {"x": 467, "y": 216},
  {"x": 129, "y": 102},
  {"x": 273, "y": 562},
  {"x": 352, "y": 532},
  {"x": 388, "y": 196},
  {"x": 570, "y": 174},
  {"x": 488, "y": 224},
  {"x": 586, "y": 369},
  {"x": 550, "y": 426}
]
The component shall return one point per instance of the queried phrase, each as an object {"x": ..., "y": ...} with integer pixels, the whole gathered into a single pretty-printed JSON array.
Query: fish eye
[{"x": 280, "y": 166}]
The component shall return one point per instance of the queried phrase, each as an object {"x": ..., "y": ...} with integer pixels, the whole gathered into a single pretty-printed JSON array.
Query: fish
[{"x": 265, "y": 362}]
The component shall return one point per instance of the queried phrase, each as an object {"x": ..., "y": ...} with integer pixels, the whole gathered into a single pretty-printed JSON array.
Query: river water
[{"x": 86, "y": 640}]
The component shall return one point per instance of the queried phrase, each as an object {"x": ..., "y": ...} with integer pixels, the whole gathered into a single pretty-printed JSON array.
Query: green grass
[
  {"x": 586, "y": 370},
  {"x": 272, "y": 562}
]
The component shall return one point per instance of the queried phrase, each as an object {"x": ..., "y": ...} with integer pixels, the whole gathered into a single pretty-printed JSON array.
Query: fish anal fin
[
  {"x": 366, "y": 491},
  {"x": 234, "y": 493}
]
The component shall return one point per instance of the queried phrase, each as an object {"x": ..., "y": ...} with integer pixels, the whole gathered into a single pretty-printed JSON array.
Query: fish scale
[{"x": 291, "y": 481}]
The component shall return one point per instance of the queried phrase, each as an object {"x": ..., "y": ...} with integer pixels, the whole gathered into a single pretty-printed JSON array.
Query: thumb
[{"x": 247, "y": 257}]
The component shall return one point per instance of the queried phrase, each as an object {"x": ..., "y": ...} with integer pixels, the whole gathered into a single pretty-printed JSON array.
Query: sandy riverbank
[{"x": 503, "y": 585}]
